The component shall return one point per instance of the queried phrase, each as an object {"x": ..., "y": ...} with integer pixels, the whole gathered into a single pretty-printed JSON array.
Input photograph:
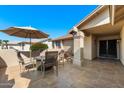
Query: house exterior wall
[
  {"x": 18, "y": 47},
  {"x": 68, "y": 45},
  {"x": 57, "y": 44},
  {"x": 49, "y": 43},
  {"x": 94, "y": 47},
  {"x": 93, "y": 36},
  {"x": 90, "y": 42},
  {"x": 88, "y": 47},
  {"x": 91, "y": 45}
]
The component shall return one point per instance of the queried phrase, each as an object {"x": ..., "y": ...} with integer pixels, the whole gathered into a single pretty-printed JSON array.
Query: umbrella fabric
[{"x": 25, "y": 32}]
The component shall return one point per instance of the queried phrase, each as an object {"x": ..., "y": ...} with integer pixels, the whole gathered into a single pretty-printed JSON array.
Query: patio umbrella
[{"x": 25, "y": 32}]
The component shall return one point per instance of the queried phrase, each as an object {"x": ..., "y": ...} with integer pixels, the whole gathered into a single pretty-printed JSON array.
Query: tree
[
  {"x": 6, "y": 43},
  {"x": 0, "y": 42},
  {"x": 39, "y": 46}
]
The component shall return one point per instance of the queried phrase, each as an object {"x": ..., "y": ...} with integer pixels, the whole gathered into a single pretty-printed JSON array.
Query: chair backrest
[
  {"x": 61, "y": 53},
  {"x": 51, "y": 57},
  {"x": 21, "y": 60},
  {"x": 67, "y": 54}
]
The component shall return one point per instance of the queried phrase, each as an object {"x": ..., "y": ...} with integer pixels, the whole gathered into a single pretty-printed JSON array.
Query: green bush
[{"x": 38, "y": 46}]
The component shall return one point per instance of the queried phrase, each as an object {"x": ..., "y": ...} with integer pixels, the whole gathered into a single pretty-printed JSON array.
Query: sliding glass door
[{"x": 108, "y": 48}]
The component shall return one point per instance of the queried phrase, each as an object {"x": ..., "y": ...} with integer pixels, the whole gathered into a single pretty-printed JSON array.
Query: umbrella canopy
[{"x": 25, "y": 32}]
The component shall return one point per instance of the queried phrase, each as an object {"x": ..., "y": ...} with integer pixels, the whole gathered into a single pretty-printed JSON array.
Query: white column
[
  {"x": 54, "y": 44},
  {"x": 122, "y": 46},
  {"x": 78, "y": 47},
  {"x": 62, "y": 47}
]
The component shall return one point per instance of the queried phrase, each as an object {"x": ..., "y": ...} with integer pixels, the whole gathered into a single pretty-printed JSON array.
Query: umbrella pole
[
  {"x": 30, "y": 50},
  {"x": 31, "y": 54}
]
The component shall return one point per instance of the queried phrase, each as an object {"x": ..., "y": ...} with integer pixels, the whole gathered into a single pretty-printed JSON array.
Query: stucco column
[
  {"x": 61, "y": 44},
  {"x": 54, "y": 44},
  {"x": 122, "y": 45},
  {"x": 78, "y": 47}
]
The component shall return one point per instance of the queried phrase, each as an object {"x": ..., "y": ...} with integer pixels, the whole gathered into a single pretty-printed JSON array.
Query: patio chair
[
  {"x": 24, "y": 63},
  {"x": 61, "y": 57},
  {"x": 51, "y": 61},
  {"x": 69, "y": 57}
]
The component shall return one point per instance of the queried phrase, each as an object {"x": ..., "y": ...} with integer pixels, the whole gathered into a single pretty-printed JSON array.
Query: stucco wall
[
  {"x": 49, "y": 43},
  {"x": 68, "y": 45},
  {"x": 94, "y": 47},
  {"x": 26, "y": 47},
  {"x": 88, "y": 47}
]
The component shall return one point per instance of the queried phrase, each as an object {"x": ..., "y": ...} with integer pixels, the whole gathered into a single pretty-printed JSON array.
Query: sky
[{"x": 56, "y": 20}]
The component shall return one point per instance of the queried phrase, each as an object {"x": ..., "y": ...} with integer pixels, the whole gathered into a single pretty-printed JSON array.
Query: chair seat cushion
[
  {"x": 46, "y": 68},
  {"x": 29, "y": 66},
  {"x": 49, "y": 64}
]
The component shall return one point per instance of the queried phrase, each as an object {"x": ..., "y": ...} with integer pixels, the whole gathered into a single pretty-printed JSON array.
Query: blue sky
[{"x": 54, "y": 20}]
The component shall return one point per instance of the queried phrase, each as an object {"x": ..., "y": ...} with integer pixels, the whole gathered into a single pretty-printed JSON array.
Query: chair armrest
[
  {"x": 28, "y": 63},
  {"x": 42, "y": 62}
]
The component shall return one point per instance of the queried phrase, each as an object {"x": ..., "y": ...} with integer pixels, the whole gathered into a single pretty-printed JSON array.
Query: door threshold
[{"x": 109, "y": 58}]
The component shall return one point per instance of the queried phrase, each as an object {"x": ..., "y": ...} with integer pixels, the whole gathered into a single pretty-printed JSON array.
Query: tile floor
[{"x": 98, "y": 73}]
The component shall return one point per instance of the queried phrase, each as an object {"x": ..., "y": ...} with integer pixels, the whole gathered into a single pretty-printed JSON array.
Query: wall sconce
[{"x": 74, "y": 31}]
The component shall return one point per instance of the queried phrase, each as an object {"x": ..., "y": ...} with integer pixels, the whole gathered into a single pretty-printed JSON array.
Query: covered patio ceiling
[
  {"x": 106, "y": 29},
  {"x": 109, "y": 28}
]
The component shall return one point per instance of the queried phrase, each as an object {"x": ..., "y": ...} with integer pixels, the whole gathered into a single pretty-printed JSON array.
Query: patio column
[
  {"x": 54, "y": 44},
  {"x": 78, "y": 47},
  {"x": 122, "y": 45},
  {"x": 61, "y": 44}
]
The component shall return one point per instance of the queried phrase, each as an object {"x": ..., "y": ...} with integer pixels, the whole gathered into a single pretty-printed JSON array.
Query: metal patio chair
[
  {"x": 24, "y": 63},
  {"x": 51, "y": 61}
]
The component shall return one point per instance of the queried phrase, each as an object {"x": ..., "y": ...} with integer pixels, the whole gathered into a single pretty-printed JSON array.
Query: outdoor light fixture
[{"x": 74, "y": 31}]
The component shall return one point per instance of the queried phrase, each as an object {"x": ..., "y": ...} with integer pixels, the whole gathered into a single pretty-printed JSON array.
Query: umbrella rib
[
  {"x": 45, "y": 35},
  {"x": 28, "y": 32},
  {"x": 36, "y": 35},
  {"x": 27, "y": 35},
  {"x": 16, "y": 32}
]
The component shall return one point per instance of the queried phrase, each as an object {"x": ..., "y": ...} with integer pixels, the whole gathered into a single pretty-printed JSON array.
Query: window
[{"x": 58, "y": 45}]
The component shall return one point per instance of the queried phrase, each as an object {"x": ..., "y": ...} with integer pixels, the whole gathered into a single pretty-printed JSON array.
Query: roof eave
[{"x": 87, "y": 17}]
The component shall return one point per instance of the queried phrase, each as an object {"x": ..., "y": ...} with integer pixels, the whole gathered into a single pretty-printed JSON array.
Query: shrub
[{"x": 38, "y": 46}]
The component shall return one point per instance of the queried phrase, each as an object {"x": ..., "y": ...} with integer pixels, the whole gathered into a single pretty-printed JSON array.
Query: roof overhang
[
  {"x": 67, "y": 37},
  {"x": 88, "y": 18},
  {"x": 106, "y": 29},
  {"x": 115, "y": 15}
]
